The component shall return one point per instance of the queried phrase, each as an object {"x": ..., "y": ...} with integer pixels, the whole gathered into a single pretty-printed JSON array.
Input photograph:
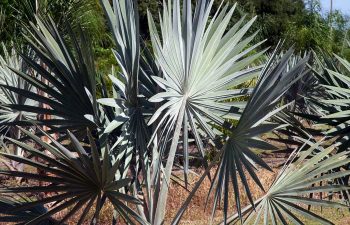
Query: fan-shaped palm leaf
[
  {"x": 74, "y": 180},
  {"x": 337, "y": 103},
  {"x": 237, "y": 152},
  {"x": 9, "y": 79},
  {"x": 65, "y": 80},
  {"x": 200, "y": 63},
  {"x": 290, "y": 191}
]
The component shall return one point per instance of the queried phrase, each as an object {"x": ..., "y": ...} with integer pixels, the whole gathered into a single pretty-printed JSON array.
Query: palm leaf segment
[
  {"x": 338, "y": 116},
  {"x": 324, "y": 68},
  {"x": 291, "y": 189},
  {"x": 237, "y": 153},
  {"x": 8, "y": 80},
  {"x": 289, "y": 134},
  {"x": 305, "y": 91},
  {"x": 65, "y": 80},
  {"x": 75, "y": 181},
  {"x": 10, "y": 215}
]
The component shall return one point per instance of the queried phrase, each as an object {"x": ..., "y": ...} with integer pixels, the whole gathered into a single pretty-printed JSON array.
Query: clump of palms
[{"x": 162, "y": 99}]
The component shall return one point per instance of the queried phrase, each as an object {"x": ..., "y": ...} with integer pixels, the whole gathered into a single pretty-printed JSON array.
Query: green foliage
[
  {"x": 310, "y": 32},
  {"x": 299, "y": 23},
  {"x": 83, "y": 15},
  {"x": 10, "y": 29},
  {"x": 275, "y": 17},
  {"x": 346, "y": 53},
  {"x": 104, "y": 60}
]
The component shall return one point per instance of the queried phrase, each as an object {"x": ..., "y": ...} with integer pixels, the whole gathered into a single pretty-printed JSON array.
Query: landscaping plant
[{"x": 172, "y": 98}]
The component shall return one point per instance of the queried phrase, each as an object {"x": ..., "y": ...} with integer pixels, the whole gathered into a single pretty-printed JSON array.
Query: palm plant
[
  {"x": 332, "y": 74},
  {"x": 189, "y": 85},
  {"x": 229, "y": 76},
  {"x": 133, "y": 86},
  {"x": 237, "y": 153},
  {"x": 193, "y": 53},
  {"x": 334, "y": 123}
]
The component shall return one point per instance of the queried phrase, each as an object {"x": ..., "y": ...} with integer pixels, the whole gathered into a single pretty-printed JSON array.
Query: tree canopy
[{"x": 297, "y": 22}]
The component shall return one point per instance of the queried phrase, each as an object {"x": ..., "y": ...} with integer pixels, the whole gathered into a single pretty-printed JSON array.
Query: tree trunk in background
[
  {"x": 43, "y": 116},
  {"x": 18, "y": 150},
  {"x": 331, "y": 16},
  {"x": 45, "y": 128}
]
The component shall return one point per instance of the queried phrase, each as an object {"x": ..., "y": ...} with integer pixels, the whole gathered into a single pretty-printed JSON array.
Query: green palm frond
[
  {"x": 10, "y": 215},
  {"x": 238, "y": 158},
  {"x": 74, "y": 180},
  {"x": 133, "y": 86},
  {"x": 286, "y": 200},
  {"x": 65, "y": 79},
  {"x": 290, "y": 134},
  {"x": 9, "y": 79},
  {"x": 336, "y": 105},
  {"x": 333, "y": 75},
  {"x": 237, "y": 153},
  {"x": 201, "y": 63}
]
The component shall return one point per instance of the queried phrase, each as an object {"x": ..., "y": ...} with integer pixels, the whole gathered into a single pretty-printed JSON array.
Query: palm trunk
[{"x": 18, "y": 150}]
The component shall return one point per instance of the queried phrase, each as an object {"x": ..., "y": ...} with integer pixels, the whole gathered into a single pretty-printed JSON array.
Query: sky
[{"x": 343, "y": 5}]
